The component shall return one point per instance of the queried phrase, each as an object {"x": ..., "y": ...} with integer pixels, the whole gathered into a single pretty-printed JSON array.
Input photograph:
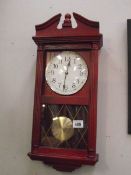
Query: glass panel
[
  {"x": 66, "y": 73},
  {"x": 64, "y": 126}
]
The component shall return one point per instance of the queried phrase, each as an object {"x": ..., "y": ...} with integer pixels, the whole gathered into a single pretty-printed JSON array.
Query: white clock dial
[{"x": 66, "y": 73}]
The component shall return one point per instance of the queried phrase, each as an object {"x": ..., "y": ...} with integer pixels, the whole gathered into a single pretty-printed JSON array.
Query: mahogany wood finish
[{"x": 86, "y": 40}]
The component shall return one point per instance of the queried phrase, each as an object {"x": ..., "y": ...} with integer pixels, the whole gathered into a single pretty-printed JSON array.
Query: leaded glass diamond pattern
[{"x": 74, "y": 112}]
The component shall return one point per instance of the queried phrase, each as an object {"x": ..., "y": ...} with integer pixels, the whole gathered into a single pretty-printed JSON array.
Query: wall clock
[{"x": 65, "y": 102}]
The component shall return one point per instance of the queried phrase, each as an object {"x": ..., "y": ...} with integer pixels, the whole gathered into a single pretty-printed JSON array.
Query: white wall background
[{"x": 17, "y": 76}]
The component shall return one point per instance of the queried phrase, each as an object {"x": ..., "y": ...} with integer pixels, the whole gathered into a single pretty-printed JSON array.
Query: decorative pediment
[{"x": 86, "y": 29}]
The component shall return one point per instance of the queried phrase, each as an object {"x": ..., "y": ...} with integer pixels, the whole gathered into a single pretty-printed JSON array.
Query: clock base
[
  {"x": 63, "y": 167},
  {"x": 63, "y": 163}
]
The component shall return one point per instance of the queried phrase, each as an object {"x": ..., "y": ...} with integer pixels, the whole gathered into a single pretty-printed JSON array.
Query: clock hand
[
  {"x": 64, "y": 81},
  {"x": 66, "y": 73},
  {"x": 68, "y": 65}
]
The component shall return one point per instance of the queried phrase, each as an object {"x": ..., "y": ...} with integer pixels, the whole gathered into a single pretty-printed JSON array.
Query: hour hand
[{"x": 68, "y": 65}]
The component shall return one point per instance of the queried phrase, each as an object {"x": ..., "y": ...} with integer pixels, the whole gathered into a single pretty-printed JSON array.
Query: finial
[{"x": 67, "y": 21}]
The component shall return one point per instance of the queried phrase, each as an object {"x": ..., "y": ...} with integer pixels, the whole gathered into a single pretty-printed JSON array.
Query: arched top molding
[{"x": 86, "y": 30}]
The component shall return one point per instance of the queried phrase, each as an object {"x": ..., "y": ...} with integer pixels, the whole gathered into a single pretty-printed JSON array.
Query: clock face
[{"x": 66, "y": 73}]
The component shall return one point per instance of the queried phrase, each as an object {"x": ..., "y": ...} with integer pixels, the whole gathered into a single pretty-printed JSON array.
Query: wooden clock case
[{"x": 86, "y": 40}]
